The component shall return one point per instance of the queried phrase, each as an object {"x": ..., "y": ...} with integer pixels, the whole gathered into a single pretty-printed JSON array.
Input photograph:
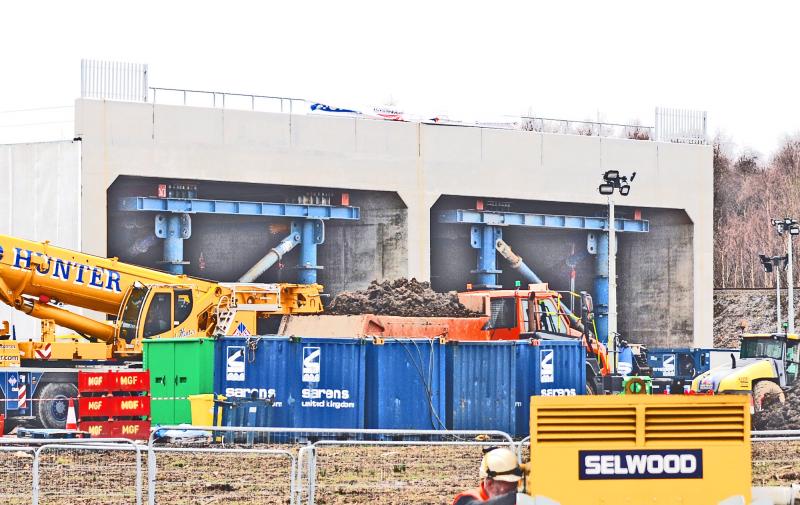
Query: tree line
[{"x": 748, "y": 193}]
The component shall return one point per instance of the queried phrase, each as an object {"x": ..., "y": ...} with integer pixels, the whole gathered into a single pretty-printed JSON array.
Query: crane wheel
[
  {"x": 766, "y": 393},
  {"x": 52, "y": 402}
]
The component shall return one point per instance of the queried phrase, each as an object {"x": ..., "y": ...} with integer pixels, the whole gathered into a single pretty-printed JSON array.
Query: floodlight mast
[
  {"x": 612, "y": 284},
  {"x": 790, "y": 227},
  {"x": 789, "y": 274},
  {"x": 773, "y": 264},
  {"x": 778, "y": 290},
  {"x": 611, "y": 181}
]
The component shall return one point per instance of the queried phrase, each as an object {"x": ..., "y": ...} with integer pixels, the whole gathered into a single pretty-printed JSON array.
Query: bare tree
[{"x": 748, "y": 193}]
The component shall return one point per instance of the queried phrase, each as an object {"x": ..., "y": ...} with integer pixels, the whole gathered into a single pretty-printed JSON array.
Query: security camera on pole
[
  {"x": 791, "y": 226},
  {"x": 612, "y": 180}
]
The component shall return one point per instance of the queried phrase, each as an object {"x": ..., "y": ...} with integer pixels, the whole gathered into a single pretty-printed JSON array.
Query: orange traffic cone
[{"x": 72, "y": 423}]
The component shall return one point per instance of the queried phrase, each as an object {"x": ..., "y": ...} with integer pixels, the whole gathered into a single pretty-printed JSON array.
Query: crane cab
[
  {"x": 158, "y": 311},
  {"x": 181, "y": 311}
]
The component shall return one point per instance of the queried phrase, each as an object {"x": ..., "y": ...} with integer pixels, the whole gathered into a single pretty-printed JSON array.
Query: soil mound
[
  {"x": 400, "y": 297},
  {"x": 780, "y": 416},
  {"x": 731, "y": 307}
]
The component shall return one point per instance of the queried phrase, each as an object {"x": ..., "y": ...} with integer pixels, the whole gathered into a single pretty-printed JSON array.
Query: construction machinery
[
  {"x": 535, "y": 313},
  {"x": 768, "y": 363},
  {"x": 626, "y": 358},
  {"x": 639, "y": 449},
  {"x": 139, "y": 303}
]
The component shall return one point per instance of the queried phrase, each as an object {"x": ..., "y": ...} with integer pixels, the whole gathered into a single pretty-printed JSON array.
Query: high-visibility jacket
[{"x": 476, "y": 495}]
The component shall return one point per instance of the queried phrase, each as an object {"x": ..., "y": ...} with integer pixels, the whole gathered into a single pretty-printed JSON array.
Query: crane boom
[
  {"x": 39, "y": 269},
  {"x": 36, "y": 276}
]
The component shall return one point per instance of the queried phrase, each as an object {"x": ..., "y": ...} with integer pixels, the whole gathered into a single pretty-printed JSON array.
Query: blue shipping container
[
  {"x": 481, "y": 386},
  {"x": 310, "y": 382},
  {"x": 548, "y": 368},
  {"x": 405, "y": 386},
  {"x": 685, "y": 364}
]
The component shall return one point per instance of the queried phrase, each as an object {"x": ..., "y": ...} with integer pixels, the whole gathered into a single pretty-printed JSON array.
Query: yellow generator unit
[{"x": 637, "y": 449}]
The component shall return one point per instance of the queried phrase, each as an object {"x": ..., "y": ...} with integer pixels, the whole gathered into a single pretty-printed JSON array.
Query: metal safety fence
[
  {"x": 35, "y": 471},
  {"x": 285, "y": 466},
  {"x": 681, "y": 125},
  {"x": 16, "y": 474},
  {"x": 227, "y": 100},
  {"x": 114, "y": 80},
  {"x": 326, "y": 465},
  {"x": 240, "y": 475},
  {"x": 88, "y": 473}
]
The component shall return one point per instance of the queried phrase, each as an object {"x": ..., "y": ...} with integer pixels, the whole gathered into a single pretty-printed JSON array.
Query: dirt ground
[
  {"x": 354, "y": 475},
  {"x": 780, "y": 416},
  {"x": 776, "y": 463},
  {"x": 732, "y": 307}
]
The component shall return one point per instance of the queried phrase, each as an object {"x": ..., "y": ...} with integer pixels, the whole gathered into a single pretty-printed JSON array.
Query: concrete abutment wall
[{"x": 412, "y": 165}]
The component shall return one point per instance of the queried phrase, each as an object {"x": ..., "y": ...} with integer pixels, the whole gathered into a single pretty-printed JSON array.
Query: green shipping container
[{"x": 178, "y": 367}]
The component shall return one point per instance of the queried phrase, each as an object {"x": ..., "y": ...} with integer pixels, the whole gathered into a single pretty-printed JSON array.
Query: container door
[
  {"x": 160, "y": 360},
  {"x": 194, "y": 374},
  {"x": 527, "y": 359}
]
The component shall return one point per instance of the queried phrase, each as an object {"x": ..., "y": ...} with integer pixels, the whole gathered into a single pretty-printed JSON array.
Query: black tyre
[
  {"x": 52, "y": 403},
  {"x": 591, "y": 384}
]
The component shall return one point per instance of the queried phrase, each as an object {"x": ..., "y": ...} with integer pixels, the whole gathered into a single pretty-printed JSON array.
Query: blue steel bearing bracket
[
  {"x": 591, "y": 243},
  {"x": 484, "y": 238},
  {"x": 174, "y": 229}
]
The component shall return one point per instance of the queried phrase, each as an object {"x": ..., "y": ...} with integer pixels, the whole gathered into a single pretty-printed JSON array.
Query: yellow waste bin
[{"x": 203, "y": 409}]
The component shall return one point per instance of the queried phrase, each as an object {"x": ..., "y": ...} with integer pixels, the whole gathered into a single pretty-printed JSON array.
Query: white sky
[{"x": 564, "y": 59}]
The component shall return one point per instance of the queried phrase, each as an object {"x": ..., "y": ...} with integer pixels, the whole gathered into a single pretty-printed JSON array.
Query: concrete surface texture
[
  {"x": 421, "y": 163},
  {"x": 40, "y": 200}
]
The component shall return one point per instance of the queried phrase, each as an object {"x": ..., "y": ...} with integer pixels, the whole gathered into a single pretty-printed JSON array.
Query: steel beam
[
  {"x": 238, "y": 208},
  {"x": 483, "y": 221},
  {"x": 478, "y": 217},
  {"x": 174, "y": 224}
]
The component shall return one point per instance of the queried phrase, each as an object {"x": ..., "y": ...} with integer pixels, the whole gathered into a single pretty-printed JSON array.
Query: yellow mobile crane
[{"x": 40, "y": 279}]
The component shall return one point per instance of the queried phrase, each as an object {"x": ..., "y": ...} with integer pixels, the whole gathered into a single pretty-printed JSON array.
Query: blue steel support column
[
  {"x": 312, "y": 234},
  {"x": 484, "y": 238},
  {"x": 174, "y": 229},
  {"x": 601, "y": 287},
  {"x": 173, "y": 245}
]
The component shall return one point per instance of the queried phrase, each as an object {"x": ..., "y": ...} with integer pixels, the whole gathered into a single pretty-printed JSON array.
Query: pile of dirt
[
  {"x": 780, "y": 416},
  {"x": 732, "y": 307},
  {"x": 400, "y": 297}
]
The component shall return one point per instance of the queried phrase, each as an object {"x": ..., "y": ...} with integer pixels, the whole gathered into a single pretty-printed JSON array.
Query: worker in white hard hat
[{"x": 500, "y": 475}]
